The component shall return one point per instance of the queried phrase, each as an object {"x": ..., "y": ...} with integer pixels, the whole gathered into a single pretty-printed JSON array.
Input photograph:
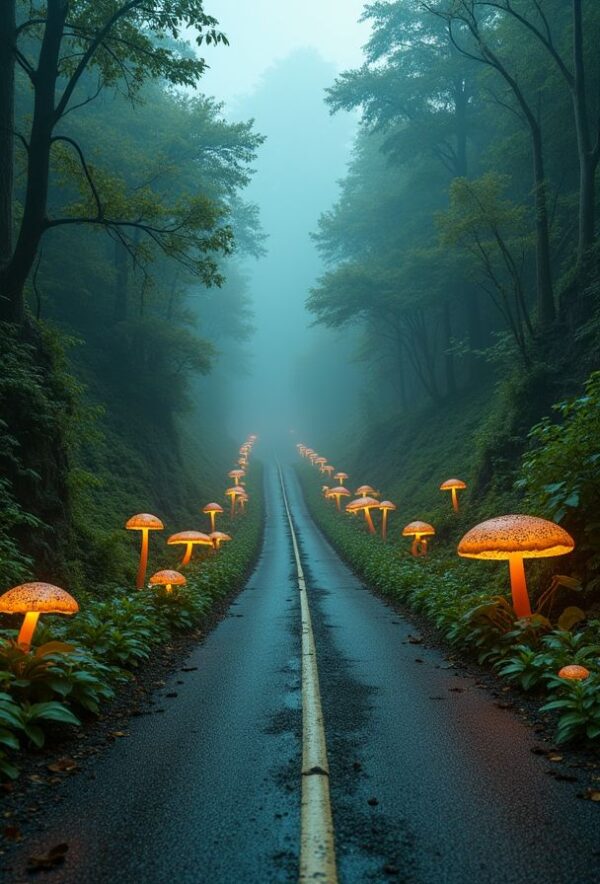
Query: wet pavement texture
[{"x": 430, "y": 781}]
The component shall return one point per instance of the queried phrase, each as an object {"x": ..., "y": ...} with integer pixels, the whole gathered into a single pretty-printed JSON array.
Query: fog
[{"x": 305, "y": 155}]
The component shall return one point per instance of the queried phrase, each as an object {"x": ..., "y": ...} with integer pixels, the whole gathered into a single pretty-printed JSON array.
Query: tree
[
  {"x": 120, "y": 41},
  {"x": 474, "y": 36}
]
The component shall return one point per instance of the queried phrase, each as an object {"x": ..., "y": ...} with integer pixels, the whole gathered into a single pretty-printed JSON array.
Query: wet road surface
[{"x": 429, "y": 783}]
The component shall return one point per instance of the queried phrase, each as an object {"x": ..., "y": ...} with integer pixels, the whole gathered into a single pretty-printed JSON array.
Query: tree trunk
[
  {"x": 545, "y": 296},
  {"x": 7, "y": 91},
  {"x": 460, "y": 119},
  {"x": 121, "y": 283},
  {"x": 14, "y": 276},
  {"x": 448, "y": 356},
  {"x": 588, "y": 159}
]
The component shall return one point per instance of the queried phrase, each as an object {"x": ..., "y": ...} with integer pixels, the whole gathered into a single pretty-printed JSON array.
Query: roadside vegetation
[{"x": 468, "y": 601}]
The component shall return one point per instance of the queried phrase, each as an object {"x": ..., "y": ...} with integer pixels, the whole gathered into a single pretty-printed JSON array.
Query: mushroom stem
[
  {"x": 419, "y": 546},
  {"x": 212, "y": 515},
  {"x": 141, "y": 574},
  {"x": 337, "y": 501},
  {"x": 27, "y": 629},
  {"x": 188, "y": 554},
  {"x": 232, "y": 505},
  {"x": 169, "y": 587},
  {"x": 369, "y": 521},
  {"x": 384, "y": 524},
  {"x": 518, "y": 586},
  {"x": 454, "y": 500}
]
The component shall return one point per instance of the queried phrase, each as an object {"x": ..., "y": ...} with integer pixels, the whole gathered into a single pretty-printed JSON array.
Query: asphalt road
[{"x": 430, "y": 781}]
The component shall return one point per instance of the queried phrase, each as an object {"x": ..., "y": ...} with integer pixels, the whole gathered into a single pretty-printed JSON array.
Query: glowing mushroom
[
  {"x": 144, "y": 522},
  {"x": 366, "y": 491},
  {"x": 325, "y": 490},
  {"x": 516, "y": 537},
  {"x": 233, "y": 493},
  {"x": 236, "y": 476},
  {"x": 573, "y": 672},
  {"x": 365, "y": 504},
  {"x": 168, "y": 579},
  {"x": 385, "y": 506},
  {"x": 327, "y": 468},
  {"x": 243, "y": 500},
  {"x": 190, "y": 539},
  {"x": 420, "y": 531},
  {"x": 212, "y": 509},
  {"x": 320, "y": 462},
  {"x": 337, "y": 493},
  {"x": 33, "y": 599},
  {"x": 453, "y": 485},
  {"x": 219, "y": 537}
]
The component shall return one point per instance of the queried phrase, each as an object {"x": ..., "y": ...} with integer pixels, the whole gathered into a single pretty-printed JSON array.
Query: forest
[{"x": 394, "y": 263}]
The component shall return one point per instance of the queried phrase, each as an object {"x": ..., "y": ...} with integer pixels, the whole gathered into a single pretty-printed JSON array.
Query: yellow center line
[{"x": 317, "y": 844}]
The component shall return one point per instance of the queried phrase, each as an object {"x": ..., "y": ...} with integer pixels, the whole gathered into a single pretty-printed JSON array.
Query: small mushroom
[
  {"x": 243, "y": 500},
  {"x": 337, "y": 493},
  {"x": 168, "y": 579},
  {"x": 453, "y": 485},
  {"x": 327, "y": 468},
  {"x": 366, "y": 491},
  {"x": 233, "y": 493},
  {"x": 212, "y": 509},
  {"x": 33, "y": 599},
  {"x": 385, "y": 506},
  {"x": 219, "y": 537},
  {"x": 420, "y": 531},
  {"x": 236, "y": 476},
  {"x": 364, "y": 504},
  {"x": 144, "y": 522},
  {"x": 574, "y": 672},
  {"x": 320, "y": 462},
  {"x": 190, "y": 539},
  {"x": 340, "y": 477},
  {"x": 516, "y": 537}
]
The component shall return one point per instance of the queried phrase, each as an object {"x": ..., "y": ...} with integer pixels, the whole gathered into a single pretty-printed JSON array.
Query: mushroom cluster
[{"x": 512, "y": 538}]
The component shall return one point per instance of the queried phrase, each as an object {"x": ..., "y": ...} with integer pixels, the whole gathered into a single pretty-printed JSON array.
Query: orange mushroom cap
[
  {"x": 219, "y": 535},
  {"x": 502, "y": 537},
  {"x": 387, "y": 505},
  {"x": 167, "y": 577},
  {"x": 339, "y": 489},
  {"x": 212, "y": 508},
  {"x": 363, "y": 503},
  {"x": 365, "y": 490},
  {"x": 449, "y": 484},
  {"x": 43, "y": 598},
  {"x": 574, "y": 672},
  {"x": 188, "y": 537},
  {"x": 144, "y": 520},
  {"x": 417, "y": 527},
  {"x": 235, "y": 491}
]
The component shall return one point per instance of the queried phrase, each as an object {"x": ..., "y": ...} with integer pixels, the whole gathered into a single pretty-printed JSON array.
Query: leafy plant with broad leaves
[
  {"x": 560, "y": 474},
  {"x": 578, "y": 705}
]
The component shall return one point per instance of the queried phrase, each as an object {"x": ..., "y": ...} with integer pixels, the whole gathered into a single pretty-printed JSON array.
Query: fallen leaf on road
[
  {"x": 63, "y": 765},
  {"x": 591, "y": 795},
  {"x": 45, "y": 861},
  {"x": 118, "y": 734},
  {"x": 415, "y": 639},
  {"x": 555, "y": 758},
  {"x": 13, "y": 833}
]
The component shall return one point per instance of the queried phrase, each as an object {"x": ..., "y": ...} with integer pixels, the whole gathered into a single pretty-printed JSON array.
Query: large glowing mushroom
[
  {"x": 337, "y": 493},
  {"x": 516, "y": 537},
  {"x": 33, "y": 599},
  {"x": 168, "y": 579},
  {"x": 385, "y": 506},
  {"x": 453, "y": 485},
  {"x": 219, "y": 537},
  {"x": 365, "y": 505},
  {"x": 212, "y": 510},
  {"x": 144, "y": 522},
  {"x": 190, "y": 539},
  {"x": 420, "y": 531}
]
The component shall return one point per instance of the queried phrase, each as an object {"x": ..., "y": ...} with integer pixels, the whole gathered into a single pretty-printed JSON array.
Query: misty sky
[{"x": 265, "y": 31}]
